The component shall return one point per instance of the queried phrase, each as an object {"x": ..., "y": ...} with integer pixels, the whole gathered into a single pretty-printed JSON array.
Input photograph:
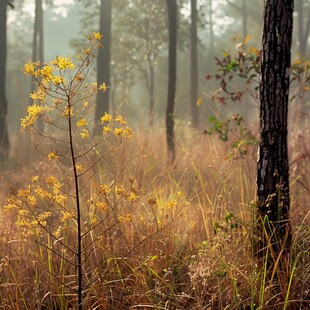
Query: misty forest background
[{"x": 195, "y": 213}]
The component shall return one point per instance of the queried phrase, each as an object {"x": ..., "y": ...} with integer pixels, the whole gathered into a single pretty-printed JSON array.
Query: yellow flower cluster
[
  {"x": 63, "y": 63},
  {"x": 124, "y": 132},
  {"x": 33, "y": 112}
]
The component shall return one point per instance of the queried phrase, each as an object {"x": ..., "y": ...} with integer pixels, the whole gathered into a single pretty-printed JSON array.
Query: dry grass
[{"x": 170, "y": 250}]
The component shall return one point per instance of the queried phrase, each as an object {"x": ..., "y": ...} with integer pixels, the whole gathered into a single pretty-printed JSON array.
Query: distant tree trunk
[
  {"x": 4, "y": 138},
  {"x": 104, "y": 59},
  {"x": 194, "y": 65},
  {"x": 172, "y": 21},
  {"x": 211, "y": 28},
  {"x": 245, "y": 18},
  {"x": 303, "y": 30},
  {"x": 244, "y": 13},
  {"x": 273, "y": 166},
  {"x": 151, "y": 90},
  {"x": 38, "y": 47},
  {"x": 38, "y": 37}
]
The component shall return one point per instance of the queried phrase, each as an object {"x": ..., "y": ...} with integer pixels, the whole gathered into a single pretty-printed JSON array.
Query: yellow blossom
[
  {"x": 38, "y": 95},
  {"x": 84, "y": 133},
  {"x": 106, "y": 129},
  {"x": 53, "y": 155},
  {"x": 46, "y": 71},
  {"x": 66, "y": 216},
  {"x": 31, "y": 68},
  {"x": 132, "y": 196},
  {"x": 103, "y": 87},
  {"x": 32, "y": 201},
  {"x": 52, "y": 181},
  {"x": 23, "y": 192},
  {"x": 106, "y": 118},
  {"x": 120, "y": 190},
  {"x": 104, "y": 189},
  {"x": 34, "y": 178},
  {"x": 82, "y": 122},
  {"x": 101, "y": 205},
  {"x": 57, "y": 80},
  {"x": 87, "y": 51},
  {"x": 118, "y": 131},
  {"x": 119, "y": 119},
  {"x": 68, "y": 111},
  {"x": 33, "y": 112},
  {"x": 97, "y": 35},
  {"x": 63, "y": 63},
  {"x": 79, "y": 167}
]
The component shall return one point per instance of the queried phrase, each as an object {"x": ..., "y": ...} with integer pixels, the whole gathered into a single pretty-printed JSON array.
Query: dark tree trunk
[
  {"x": 38, "y": 37},
  {"x": 194, "y": 65},
  {"x": 172, "y": 21},
  {"x": 273, "y": 167},
  {"x": 4, "y": 138},
  {"x": 104, "y": 59}
]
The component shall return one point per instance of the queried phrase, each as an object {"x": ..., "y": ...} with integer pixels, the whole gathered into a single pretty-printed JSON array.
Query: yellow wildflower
[
  {"x": 46, "y": 71},
  {"x": 82, "y": 122},
  {"x": 119, "y": 119},
  {"x": 31, "y": 68},
  {"x": 34, "y": 178},
  {"x": 38, "y": 95},
  {"x": 79, "y": 167},
  {"x": 106, "y": 118},
  {"x": 104, "y": 189},
  {"x": 63, "y": 63},
  {"x": 57, "y": 80},
  {"x": 84, "y": 133},
  {"x": 118, "y": 131},
  {"x": 52, "y": 155},
  {"x": 106, "y": 129},
  {"x": 97, "y": 35},
  {"x": 101, "y": 205},
  {"x": 103, "y": 87},
  {"x": 68, "y": 111}
]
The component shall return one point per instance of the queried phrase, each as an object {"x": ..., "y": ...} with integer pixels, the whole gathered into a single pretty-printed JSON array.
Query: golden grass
[{"x": 184, "y": 244}]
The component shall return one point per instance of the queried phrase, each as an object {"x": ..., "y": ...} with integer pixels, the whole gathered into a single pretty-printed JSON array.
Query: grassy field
[{"x": 156, "y": 235}]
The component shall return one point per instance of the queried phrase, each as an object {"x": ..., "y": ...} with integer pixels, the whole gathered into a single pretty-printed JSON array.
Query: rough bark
[
  {"x": 273, "y": 166},
  {"x": 4, "y": 138},
  {"x": 104, "y": 59},
  {"x": 172, "y": 21},
  {"x": 194, "y": 65}
]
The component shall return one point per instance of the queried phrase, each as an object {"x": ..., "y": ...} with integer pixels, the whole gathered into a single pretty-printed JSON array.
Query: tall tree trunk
[
  {"x": 211, "y": 29},
  {"x": 151, "y": 90},
  {"x": 172, "y": 21},
  {"x": 245, "y": 18},
  {"x": 104, "y": 60},
  {"x": 273, "y": 166},
  {"x": 38, "y": 37},
  {"x": 4, "y": 138},
  {"x": 194, "y": 65}
]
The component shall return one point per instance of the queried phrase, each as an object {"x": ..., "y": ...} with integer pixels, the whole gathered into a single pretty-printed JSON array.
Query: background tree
[
  {"x": 194, "y": 65},
  {"x": 38, "y": 38},
  {"x": 4, "y": 138},
  {"x": 104, "y": 58},
  {"x": 303, "y": 26},
  {"x": 273, "y": 167},
  {"x": 172, "y": 21}
]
